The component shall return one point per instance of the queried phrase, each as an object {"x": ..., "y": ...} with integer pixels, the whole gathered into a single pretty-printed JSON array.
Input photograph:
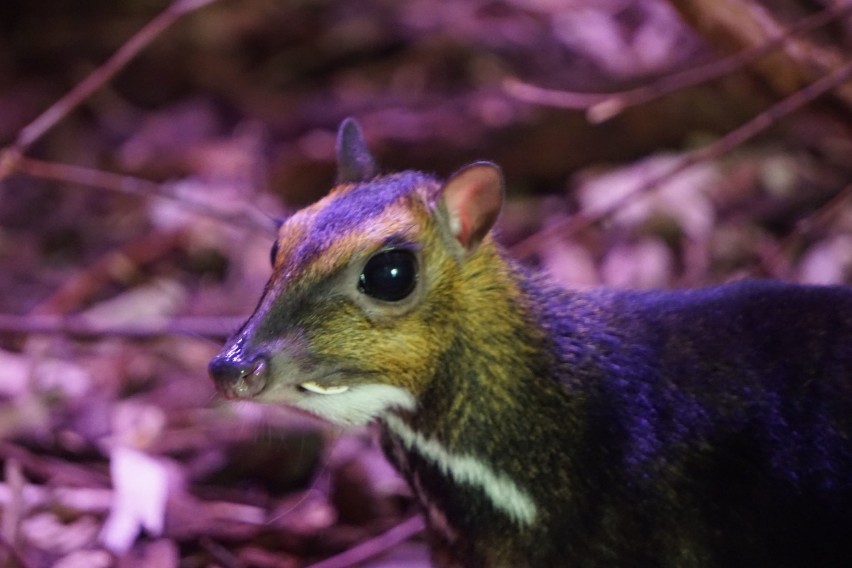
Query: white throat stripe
[{"x": 504, "y": 494}]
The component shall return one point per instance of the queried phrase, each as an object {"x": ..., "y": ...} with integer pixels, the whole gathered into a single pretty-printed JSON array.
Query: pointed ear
[
  {"x": 354, "y": 162},
  {"x": 473, "y": 197}
]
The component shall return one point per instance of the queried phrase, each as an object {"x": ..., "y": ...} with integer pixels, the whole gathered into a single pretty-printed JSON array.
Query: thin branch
[
  {"x": 100, "y": 76},
  {"x": 220, "y": 554},
  {"x": 65, "y": 173},
  {"x": 15, "y": 556},
  {"x": 374, "y": 546},
  {"x": 14, "y": 510},
  {"x": 721, "y": 146},
  {"x": 12, "y": 158},
  {"x": 118, "y": 265},
  {"x": 820, "y": 218},
  {"x": 214, "y": 327},
  {"x": 776, "y": 258},
  {"x": 554, "y": 97},
  {"x": 54, "y": 468},
  {"x": 600, "y": 107}
]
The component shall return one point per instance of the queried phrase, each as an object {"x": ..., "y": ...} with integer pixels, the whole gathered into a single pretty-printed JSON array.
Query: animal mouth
[{"x": 316, "y": 388}]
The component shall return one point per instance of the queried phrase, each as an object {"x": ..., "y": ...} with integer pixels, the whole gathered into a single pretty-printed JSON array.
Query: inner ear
[{"x": 473, "y": 197}]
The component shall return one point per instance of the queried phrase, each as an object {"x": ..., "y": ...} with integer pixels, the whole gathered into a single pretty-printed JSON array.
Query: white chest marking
[{"x": 504, "y": 494}]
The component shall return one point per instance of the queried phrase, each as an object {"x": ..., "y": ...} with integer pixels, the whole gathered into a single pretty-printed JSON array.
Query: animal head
[{"x": 366, "y": 289}]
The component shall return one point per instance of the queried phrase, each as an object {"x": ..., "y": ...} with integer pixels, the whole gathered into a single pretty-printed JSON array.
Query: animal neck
[{"x": 493, "y": 410}]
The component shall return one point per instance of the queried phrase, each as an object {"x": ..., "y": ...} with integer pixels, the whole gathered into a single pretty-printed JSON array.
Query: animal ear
[
  {"x": 354, "y": 162},
  {"x": 473, "y": 197}
]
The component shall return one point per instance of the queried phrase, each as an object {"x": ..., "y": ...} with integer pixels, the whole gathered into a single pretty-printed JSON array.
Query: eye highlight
[{"x": 389, "y": 275}]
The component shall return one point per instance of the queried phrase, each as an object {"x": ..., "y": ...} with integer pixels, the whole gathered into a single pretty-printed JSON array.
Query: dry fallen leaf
[
  {"x": 646, "y": 264},
  {"x": 140, "y": 481},
  {"x": 681, "y": 198},
  {"x": 141, "y": 490},
  {"x": 827, "y": 262}
]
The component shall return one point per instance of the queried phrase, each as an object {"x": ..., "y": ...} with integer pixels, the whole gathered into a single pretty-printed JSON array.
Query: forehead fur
[{"x": 352, "y": 216}]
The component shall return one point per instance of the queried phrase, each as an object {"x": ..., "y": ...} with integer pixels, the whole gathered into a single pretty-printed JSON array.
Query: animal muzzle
[{"x": 239, "y": 377}]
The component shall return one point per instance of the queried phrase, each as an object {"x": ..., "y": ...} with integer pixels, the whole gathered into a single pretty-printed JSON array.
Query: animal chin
[{"x": 316, "y": 388}]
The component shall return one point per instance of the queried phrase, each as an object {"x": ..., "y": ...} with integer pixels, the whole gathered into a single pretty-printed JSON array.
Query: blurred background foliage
[{"x": 236, "y": 106}]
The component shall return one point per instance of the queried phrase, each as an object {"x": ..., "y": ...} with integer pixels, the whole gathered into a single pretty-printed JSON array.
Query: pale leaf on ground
[
  {"x": 646, "y": 264},
  {"x": 48, "y": 532},
  {"x": 20, "y": 374},
  {"x": 827, "y": 262},
  {"x": 569, "y": 264},
  {"x": 141, "y": 490},
  {"x": 86, "y": 559},
  {"x": 155, "y": 302},
  {"x": 681, "y": 198}
]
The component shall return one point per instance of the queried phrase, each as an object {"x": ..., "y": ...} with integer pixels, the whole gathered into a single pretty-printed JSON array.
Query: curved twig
[
  {"x": 601, "y": 107},
  {"x": 367, "y": 549},
  {"x": 246, "y": 216},
  {"x": 214, "y": 327},
  {"x": 99, "y": 77},
  {"x": 721, "y": 146}
]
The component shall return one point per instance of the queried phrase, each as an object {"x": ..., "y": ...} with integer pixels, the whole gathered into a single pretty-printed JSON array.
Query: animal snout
[{"x": 238, "y": 377}]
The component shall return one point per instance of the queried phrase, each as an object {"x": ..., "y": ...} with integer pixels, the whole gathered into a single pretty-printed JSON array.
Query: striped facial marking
[{"x": 351, "y": 221}]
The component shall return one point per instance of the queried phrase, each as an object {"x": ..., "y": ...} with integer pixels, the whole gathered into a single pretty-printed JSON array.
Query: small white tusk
[{"x": 312, "y": 386}]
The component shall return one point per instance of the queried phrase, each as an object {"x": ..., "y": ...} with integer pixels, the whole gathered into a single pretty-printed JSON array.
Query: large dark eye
[
  {"x": 273, "y": 253},
  {"x": 389, "y": 275}
]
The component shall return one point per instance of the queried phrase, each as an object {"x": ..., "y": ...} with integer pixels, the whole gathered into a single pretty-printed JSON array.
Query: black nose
[{"x": 239, "y": 378}]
